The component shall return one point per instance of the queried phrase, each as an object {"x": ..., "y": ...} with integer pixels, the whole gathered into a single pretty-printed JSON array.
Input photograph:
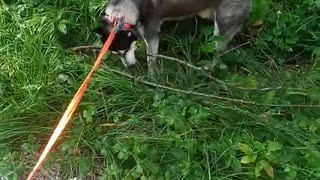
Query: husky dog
[{"x": 144, "y": 18}]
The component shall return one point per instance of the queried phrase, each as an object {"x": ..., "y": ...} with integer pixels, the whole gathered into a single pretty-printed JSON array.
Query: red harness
[{"x": 120, "y": 22}]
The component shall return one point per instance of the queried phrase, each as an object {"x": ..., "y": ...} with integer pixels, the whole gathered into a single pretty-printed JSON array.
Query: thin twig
[
  {"x": 237, "y": 101},
  {"x": 78, "y": 48},
  {"x": 89, "y": 47},
  {"x": 178, "y": 60},
  {"x": 209, "y": 76},
  {"x": 113, "y": 124},
  {"x": 200, "y": 69},
  {"x": 191, "y": 66},
  {"x": 257, "y": 89},
  {"x": 232, "y": 49}
]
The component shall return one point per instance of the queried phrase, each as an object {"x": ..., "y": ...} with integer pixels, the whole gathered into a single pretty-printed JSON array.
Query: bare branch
[
  {"x": 232, "y": 49},
  {"x": 113, "y": 124},
  {"x": 237, "y": 101},
  {"x": 79, "y": 48},
  {"x": 200, "y": 69}
]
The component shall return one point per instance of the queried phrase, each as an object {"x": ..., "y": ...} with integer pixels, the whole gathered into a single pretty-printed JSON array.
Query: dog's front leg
[{"x": 151, "y": 37}]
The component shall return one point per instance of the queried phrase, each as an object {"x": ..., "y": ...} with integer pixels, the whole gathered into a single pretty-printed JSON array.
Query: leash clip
[{"x": 119, "y": 25}]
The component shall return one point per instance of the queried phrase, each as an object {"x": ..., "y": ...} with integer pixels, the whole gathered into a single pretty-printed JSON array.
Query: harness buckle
[{"x": 119, "y": 23}]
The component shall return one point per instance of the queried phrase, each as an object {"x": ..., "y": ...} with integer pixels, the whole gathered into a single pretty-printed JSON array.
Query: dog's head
[{"x": 124, "y": 41}]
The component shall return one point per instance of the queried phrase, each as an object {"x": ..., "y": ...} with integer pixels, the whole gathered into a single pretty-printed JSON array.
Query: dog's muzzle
[{"x": 124, "y": 42}]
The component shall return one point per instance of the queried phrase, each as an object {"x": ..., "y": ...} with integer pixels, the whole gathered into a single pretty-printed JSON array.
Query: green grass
[{"x": 161, "y": 134}]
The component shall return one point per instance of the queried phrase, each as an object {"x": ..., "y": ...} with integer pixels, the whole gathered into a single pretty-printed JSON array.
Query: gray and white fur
[{"x": 228, "y": 17}]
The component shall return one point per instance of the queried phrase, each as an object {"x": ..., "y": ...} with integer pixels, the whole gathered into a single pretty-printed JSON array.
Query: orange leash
[{"x": 73, "y": 105}]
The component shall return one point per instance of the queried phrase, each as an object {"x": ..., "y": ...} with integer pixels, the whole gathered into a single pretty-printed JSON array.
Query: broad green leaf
[
  {"x": 139, "y": 169},
  {"x": 259, "y": 166},
  {"x": 120, "y": 155},
  {"x": 223, "y": 66},
  {"x": 292, "y": 173},
  {"x": 62, "y": 27},
  {"x": 203, "y": 113},
  {"x": 209, "y": 47},
  {"x": 270, "y": 156},
  {"x": 152, "y": 166},
  {"x": 251, "y": 83},
  {"x": 269, "y": 170},
  {"x": 313, "y": 158},
  {"x": 15, "y": 155},
  {"x": 273, "y": 146},
  {"x": 207, "y": 30},
  {"x": 180, "y": 154},
  {"x": 87, "y": 114},
  {"x": 248, "y": 159},
  {"x": 135, "y": 174},
  {"x": 184, "y": 110},
  {"x": 154, "y": 155},
  {"x": 260, "y": 9},
  {"x": 114, "y": 167},
  {"x": 26, "y": 146},
  {"x": 236, "y": 165},
  {"x": 245, "y": 148},
  {"x": 192, "y": 146},
  {"x": 258, "y": 145}
]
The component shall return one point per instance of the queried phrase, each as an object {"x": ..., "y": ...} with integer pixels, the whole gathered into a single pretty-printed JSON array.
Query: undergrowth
[{"x": 127, "y": 130}]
